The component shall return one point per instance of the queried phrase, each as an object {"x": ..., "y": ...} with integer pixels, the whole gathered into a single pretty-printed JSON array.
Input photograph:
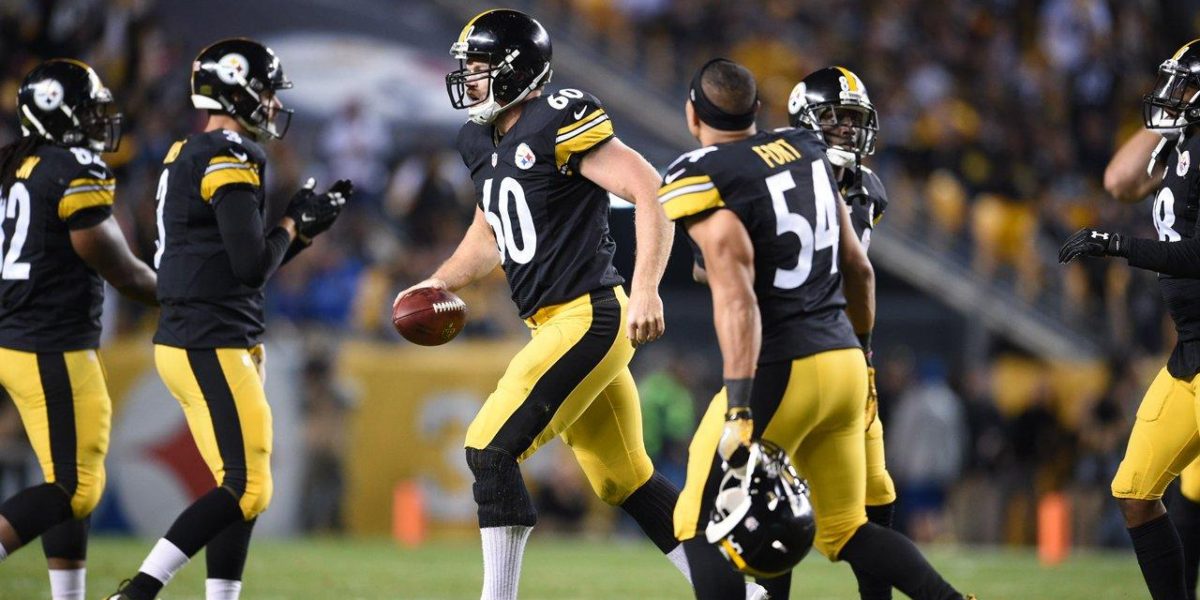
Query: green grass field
[{"x": 555, "y": 570}]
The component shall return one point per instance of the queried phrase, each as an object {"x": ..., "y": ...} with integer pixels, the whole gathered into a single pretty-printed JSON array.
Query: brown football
[{"x": 429, "y": 316}]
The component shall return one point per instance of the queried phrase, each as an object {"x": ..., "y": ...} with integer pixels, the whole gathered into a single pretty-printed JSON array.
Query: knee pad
[
  {"x": 499, "y": 490},
  {"x": 257, "y": 498},
  {"x": 880, "y": 489}
]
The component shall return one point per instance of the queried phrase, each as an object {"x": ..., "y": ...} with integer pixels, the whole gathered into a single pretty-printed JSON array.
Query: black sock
[
  {"x": 197, "y": 525},
  {"x": 885, "y": 554},
  {"x": 203, "y": 520},
  {"x": 1160, "y": 555},
  {"x": 67, "y": 540},
  {"x": 34, "y": 510},
  {"x": 653, "y": 507},
  {"x": 1185, "y": 514},
  {"x": 713, "y": 578},
  {"x": 778, "y": 588},
  {"x": 226, "y": 554},
  {"x": 869, "y": 586}
]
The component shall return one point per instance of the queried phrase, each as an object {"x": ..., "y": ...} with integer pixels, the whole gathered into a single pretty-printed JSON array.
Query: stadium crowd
[{"x": 995, "y": 171}]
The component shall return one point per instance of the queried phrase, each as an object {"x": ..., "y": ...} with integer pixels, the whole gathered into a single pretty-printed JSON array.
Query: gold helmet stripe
[
  {"x": 466, "y": 30},
  {"x": 851, "y": 79},
  {"x": 1184, "y": 49}
]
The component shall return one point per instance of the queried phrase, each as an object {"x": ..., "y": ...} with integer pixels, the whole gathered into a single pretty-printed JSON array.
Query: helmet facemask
[
  {"x": 504, "y": 88},
  {"x": 100, "y": 127},
  {"x": 253, "y": 103},
  {"x": 1172, "y": 105},
  {"x": 831, "y": 119}
]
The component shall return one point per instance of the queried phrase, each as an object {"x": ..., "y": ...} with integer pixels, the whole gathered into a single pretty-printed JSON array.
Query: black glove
[
  {"x": 1093, "y": 242},
  {"x": 315, "y": 213}
]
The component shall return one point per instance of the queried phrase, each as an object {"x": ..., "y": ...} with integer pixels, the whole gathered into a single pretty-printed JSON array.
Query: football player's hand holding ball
[
  {"x": 734, "y": 446},
  {"x": 315, "y": 213},
  {"x": 432, "y": 282}
]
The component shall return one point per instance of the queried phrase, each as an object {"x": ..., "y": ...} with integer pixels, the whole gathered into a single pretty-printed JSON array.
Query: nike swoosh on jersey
[
  {"x": 238, "y": 155},
  {"x": 579, "y": 113},
  {"x": 673, "y": 176},
  {"x": 98, "y": 174}
]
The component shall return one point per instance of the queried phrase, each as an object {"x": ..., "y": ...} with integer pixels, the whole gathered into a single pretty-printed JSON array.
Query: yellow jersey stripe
[
  {"x": 580, "y": 123},
  {"x": 73, "y": 203},
  {"x": 851, "y": 78},
  {"x": 217, "y": 179},
  {"x": 582, "y": 141},
  {"x": 221, "y": 160},
  {"x": 680, "y": 183},
  {"x": 27, "y": 167},
  {"x": 173, "y": 153},
  {"x": 89, "y": 181},
  {"x": 694, "y": 203}
]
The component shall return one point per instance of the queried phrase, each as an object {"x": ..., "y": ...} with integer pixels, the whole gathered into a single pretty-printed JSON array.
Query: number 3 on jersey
[
  {"x": 14, "y": 206},
  {"x": 502, "y": 222},
  {"x": 786, "y": 221}
]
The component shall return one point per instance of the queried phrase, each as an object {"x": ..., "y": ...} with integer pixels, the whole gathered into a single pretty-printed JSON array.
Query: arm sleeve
[
  {"x": 1181, "y": 259},
  {"x": 585, "y": 126},
  {"x": 88, "y": 198},
  {"x": 252, "y": 255},
  {"x": 688, "y": 191}
]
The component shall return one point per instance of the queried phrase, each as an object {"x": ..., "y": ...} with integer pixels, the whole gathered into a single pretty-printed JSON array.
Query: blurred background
[{"x": 1019, "y": 375}]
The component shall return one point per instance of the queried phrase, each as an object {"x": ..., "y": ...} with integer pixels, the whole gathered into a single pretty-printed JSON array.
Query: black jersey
[
  {"x": 203, "y": 304},
  {"x": 781, "y": 187},
  {"x": 50, "y": 300},
  {"x": 550, "y": 223},
  {"x": 865, "y": 216},
  {"x": 1175, "y": 210}
]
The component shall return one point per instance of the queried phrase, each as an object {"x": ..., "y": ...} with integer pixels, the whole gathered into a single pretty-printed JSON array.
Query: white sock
[
  {"x": 164, "y": 561},
  {"x": 755, "y": 591},
  {"x": 3, "y": 553},
  {"x": 68, "y": 584},
  {"x": 679, "y": 559},
  {"x": 222, "y": 589},
  {"x": 503, "y": 548}
]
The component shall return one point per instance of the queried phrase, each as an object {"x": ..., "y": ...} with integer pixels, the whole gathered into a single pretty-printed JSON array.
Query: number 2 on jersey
[
  {"x": 786, "y": 221},
  {"x": 501, "y": 221},
  {"x": 14, "y": 205}
]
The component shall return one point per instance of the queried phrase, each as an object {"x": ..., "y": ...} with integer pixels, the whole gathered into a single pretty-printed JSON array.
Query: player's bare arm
[
  {"x": 729, "y": 261},
  {"x": 475, "y": 257},
  {"x": 858, "y": 277},
  {"x": 1127, "y": 177},
  {"x": 622, "y": 171},
  {"x": 104, "y": 249}
]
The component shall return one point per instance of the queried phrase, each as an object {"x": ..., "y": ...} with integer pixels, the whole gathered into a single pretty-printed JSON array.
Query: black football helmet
[
  {"x": 762, "y": 521},
  {"x": 830, "y": 98},
  {"x": 64, "y": 101},
  {"x": 516, "y": 49},
  {"x": 1175, "y": 101},
  {"x": 240, "y": 77}
]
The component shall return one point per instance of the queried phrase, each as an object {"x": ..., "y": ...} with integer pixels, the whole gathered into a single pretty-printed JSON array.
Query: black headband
[{"x": 710, "y": 113}]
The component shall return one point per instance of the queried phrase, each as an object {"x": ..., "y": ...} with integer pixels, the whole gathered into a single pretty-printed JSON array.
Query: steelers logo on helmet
[
  {"x": 796, "y": 101},
  {"x": 524, "y": 157},
  {"x": 48, "y": 94},
  {"x": 232, "y": 68}
]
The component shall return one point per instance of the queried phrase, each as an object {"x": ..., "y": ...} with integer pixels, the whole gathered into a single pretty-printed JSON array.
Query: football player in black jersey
[
  {"x": 543, "y": 165},
  {"x": 58, "y": 238},
  {"x": 1164, "y": 437},
  {"x": 763, "y": 209},
  {"x": 834, "y": 102},
  {"x": 214, "y": 256}
]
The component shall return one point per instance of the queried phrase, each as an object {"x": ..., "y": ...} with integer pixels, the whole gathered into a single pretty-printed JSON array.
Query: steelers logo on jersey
[
  {"x": 1185, "y": 161},
  {"x": 524, "y": 157}
]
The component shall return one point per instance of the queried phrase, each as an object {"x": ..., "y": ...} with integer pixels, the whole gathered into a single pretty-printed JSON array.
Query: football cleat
[
  {"x": 120, "y": 593},
  {"x": 762, "y": 521}
]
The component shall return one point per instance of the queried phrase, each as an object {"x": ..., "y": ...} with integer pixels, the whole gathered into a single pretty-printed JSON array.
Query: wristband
[{"x": 737, "y": 392}]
